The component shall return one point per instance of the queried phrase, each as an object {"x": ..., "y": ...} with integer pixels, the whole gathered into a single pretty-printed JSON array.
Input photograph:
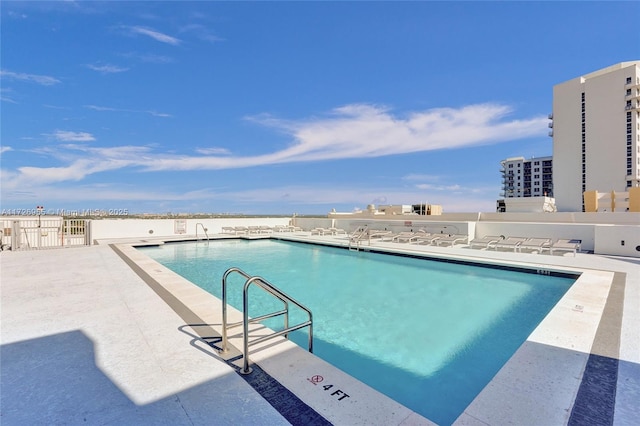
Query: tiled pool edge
[{"x": 584, "y": 351}]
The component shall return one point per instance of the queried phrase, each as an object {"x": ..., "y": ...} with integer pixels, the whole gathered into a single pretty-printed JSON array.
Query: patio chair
[
  {"x": 485, "y": 242},
  {"x": 512, "y": 243},
  {"x": 320, "y": 231},
  {"x": 427, "y": 238},
  {"x": 452, "y": 239},
  {"x": 535, "y": 244},
  {"x": 566, "y": 245},
  {"x": 403, "y": 237}
]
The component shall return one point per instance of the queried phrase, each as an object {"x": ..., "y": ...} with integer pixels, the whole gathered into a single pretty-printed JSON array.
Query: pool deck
[{"x": 105, "y": 335}]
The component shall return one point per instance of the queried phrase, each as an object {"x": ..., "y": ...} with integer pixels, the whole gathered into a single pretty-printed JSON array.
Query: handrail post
[
  {"x": 274, "y": 291},
  {"x": 245, "y": 327}
]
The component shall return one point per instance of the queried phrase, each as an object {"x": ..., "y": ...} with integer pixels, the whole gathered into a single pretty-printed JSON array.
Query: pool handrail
[
  {"x": 203, "y": 230},
  {"x": 274, "y": 291}
]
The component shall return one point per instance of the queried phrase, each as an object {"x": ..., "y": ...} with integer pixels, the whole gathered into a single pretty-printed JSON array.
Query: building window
[{"x": 628, "y": 80}]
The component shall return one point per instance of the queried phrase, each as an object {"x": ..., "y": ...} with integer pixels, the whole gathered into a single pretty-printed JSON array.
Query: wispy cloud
[
  {"x": 150, "y": 112},
  {"x": 107, "y": 68},
  {"x": 201, "y": 32},
  {"x": 4, "y": 149},
  {"x": 353, "y": 131},
  {"x": 43, "y": 80},
  {"x": 68, "y": 136},
  {"x": 156, "y": 35},
  {"x": 213, "y": 151},
  {"x": 148, "y": 57}
]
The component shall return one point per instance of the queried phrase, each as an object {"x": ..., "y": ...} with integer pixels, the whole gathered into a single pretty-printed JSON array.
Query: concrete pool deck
[{"x": 86, "y": 339}]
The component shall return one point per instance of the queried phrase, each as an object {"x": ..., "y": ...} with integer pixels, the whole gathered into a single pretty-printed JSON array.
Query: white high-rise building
[
  {"x": 596, "y": 134},
  {"x": 527, "y": 178}
]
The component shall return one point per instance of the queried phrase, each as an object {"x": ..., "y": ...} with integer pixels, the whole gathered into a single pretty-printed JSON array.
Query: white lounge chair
[
  {"x": 403, "y": 237},
  {"x": 535, "y": 244},
  {"x": 240, "y": 230},
  {"x": 566, "y": 245},
  {"x": 264, "y": 229},
  {"x": 512, "y": 243},
  {"x": 452, "y": 239},
  {"x": 228, "y": 230},
  {"x": 427, "y": 238},
  {"x": 320, "y": 231},
  {"x": 485, "y": 242},
  {"x": 378, "y": 233},
  {"x": 337, "y": 231}
]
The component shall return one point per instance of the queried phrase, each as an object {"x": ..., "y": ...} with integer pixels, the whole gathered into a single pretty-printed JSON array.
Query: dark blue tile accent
[
  {"x": 282, "y": 399},
  {"x": 595, "y": 402}
]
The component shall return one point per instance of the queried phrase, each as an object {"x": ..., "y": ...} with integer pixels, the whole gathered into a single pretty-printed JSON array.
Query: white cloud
[
  {"x": 43, "y": 80},
  {"x": 154, "y": 113},
  {"x": 4, "y": 149},
  {"x": 107, "y": 68},
  {"x": 158, "y": 36},
  {"x": 67, "y": 136},
  {"x": 352, "y": 131},
  {"x": 201, "y": 32},
  {"x": 213, "y": 151}
]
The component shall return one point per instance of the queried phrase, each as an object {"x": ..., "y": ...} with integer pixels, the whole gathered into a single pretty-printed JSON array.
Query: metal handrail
[
  {"x": 357, "y": 236},
  {"x": 203, "y": 230},
  {"x": 274, "y": 291}
]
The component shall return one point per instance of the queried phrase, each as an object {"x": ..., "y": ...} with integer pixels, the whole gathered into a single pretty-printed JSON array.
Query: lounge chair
[
  {"x": 264, "y": 229},
  {"x": 485, "y": 242},
  {"x": 337, "y": 231},
  {"x": 427, "y": 238},
  {"x": 293, "y": 228},
  {"x": 452, "y": 239},
  {"x": 240, "y": 230},
  {"x": 535, "y": 244},
  {"x": 566, "y": 245},
  {"x": 377, "y": 233},
  {"x": 320, "y": 231},
  {"x": 403, "y": 237},
  {"x": 512, "y": 243},
  {"x": 228, "y": 230},
  {"x": 254, "y": 229}
]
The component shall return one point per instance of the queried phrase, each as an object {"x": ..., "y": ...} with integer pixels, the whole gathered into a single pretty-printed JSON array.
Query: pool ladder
[
  {"x": 275, "y": 292},
  {"x": 356, "y": 238},
  {"x": 203, "y": 230}
]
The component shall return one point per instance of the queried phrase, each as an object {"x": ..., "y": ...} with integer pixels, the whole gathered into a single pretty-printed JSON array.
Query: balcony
[
  {"x": 551, "y": 125},
  {"x": 551, "y": 133},
  {"x": 550, "y": 116}
]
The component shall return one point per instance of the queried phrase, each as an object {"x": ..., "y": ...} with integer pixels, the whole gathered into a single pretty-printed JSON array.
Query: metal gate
[{"x": 39, "y": 233}]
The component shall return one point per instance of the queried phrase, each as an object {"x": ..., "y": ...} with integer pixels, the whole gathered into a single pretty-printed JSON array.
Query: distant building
[
  {"x": 596, "y": 134},
  {"x": 527, "y": 178}
]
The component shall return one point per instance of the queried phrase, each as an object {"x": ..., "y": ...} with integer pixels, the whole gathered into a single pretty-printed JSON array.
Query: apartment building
[
  {"x": 596, "y": 134},
  {"x": 527, "y": 178}
]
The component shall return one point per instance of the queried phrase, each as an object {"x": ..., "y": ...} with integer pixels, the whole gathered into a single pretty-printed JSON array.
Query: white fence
[{"x": 38, "y": 233}]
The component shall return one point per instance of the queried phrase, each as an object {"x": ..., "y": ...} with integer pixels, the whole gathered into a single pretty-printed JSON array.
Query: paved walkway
[{"x": 86, "y": 341}]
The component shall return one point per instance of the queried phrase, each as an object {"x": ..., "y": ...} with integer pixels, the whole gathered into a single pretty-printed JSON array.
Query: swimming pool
[{"x": 429, "y": 334}]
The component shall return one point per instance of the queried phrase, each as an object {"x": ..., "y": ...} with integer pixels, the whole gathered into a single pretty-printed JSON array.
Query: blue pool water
[{"x": 428, "y": 334}]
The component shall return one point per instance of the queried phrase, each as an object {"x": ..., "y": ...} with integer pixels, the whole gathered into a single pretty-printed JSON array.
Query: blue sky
[{"x": 285, "y": 107}]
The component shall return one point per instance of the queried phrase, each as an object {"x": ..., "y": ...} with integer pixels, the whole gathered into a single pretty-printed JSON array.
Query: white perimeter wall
[
  {"x": 601, "y": 233},
  {"x": 140, "y": 228}
]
